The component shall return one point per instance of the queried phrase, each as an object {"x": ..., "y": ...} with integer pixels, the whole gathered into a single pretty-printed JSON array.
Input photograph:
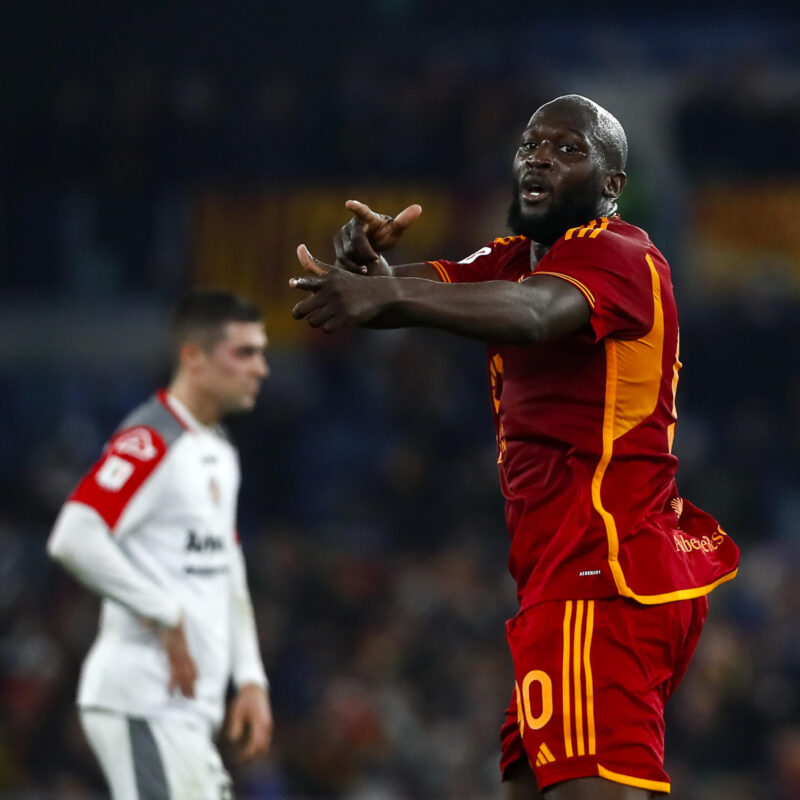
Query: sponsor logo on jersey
[
  {"x": 209, "y": 543},
  {"x": 544, "y": 756},
  {"x": 137, "y": 443},
  {"x": 114, "y": 473},
  {"x": 689, "y": 544},
  {"x": 205, "y": 572}
]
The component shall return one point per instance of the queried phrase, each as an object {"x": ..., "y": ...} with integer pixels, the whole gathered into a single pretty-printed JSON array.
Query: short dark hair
[{"x": 200, "y": 316}]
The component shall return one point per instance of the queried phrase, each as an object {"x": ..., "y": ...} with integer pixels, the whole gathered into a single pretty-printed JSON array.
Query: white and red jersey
[{"x": 165, "y": 491}]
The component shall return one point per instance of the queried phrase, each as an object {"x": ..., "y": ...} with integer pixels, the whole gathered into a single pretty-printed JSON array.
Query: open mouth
[
  {"x": 534, "y": 195},
  {"x": 533, "y": 191}
]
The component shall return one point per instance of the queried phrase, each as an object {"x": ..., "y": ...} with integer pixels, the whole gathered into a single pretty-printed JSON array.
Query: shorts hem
[
  {"x": 551, "y": 774},
  {"x": 630, "y": 780}
]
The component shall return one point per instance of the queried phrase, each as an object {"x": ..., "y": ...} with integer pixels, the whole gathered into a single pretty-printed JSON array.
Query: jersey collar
[{"x": 180, "y": 412}]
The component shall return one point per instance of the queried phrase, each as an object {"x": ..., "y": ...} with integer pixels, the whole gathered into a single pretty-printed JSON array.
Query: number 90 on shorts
[{"x": 591, "y": 680}]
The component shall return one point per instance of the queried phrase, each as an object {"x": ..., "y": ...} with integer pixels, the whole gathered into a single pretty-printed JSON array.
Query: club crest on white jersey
[{"x": 137, "y": 442}]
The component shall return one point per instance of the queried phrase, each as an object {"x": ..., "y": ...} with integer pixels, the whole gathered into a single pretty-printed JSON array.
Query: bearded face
[
  {"x": 544, "y": 222},
  {"x": 559, "y": 176}
]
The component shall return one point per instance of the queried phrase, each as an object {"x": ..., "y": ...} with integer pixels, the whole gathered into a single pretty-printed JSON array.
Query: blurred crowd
[
  {"x": 370, "y": 513},
  {"x": 102, "y": 177},
  {"x": 373, "y": 530}
]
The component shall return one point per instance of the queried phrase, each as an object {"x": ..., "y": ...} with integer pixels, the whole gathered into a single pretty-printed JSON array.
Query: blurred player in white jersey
[{"x": 152, "y": 529}]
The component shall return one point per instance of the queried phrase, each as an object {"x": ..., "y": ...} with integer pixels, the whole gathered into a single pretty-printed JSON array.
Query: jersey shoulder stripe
[
  {"x": 132, "y": 454},
  {"x": 593, "y": 229},
  {"x": 504, "y": 241},
  {"x": 157, "y": 415}
]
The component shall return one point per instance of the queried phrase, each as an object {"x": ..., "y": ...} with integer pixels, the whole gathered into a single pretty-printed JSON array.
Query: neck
[
  {"x": 538, "y": 252},
  {"x": 201, "y": 406},
  {"x": 608, "y": 209}
]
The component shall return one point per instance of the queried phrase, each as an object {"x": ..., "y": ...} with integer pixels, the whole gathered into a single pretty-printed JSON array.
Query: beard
[{"x": 556, "y": 220}]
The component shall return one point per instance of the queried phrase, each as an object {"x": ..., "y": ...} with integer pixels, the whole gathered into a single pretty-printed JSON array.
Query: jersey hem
[
  {"x": 679, "y": 594},
  {"x": 672, "y": 596}
]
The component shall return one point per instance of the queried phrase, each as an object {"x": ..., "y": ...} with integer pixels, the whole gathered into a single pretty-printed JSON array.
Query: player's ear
[
  {"x": 190, "y": 354},
  {"x": 614, "y": 184}
]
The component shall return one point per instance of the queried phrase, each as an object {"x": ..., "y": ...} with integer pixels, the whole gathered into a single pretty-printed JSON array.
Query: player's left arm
[
  {"x": 250, "y": 723},
  {"x": 534, "y": 310}
]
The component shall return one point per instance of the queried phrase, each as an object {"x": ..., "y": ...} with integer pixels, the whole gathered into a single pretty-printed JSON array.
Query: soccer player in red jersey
[{"x": 612, "y": 565}]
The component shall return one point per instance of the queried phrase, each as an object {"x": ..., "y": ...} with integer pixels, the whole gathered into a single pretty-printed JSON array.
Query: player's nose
[
  {"x": 542, "y": 156},
  {"x": 262, "y": 367}
]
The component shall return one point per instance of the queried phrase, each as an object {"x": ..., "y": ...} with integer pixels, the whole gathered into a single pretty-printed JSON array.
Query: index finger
[{"x": 364, "y": 213}]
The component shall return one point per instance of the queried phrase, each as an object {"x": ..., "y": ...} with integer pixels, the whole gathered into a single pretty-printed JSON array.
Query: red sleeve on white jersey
[{"x": 128, "y": 460}]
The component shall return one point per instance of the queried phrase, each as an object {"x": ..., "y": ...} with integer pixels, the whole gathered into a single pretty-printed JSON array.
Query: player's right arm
[
  {"x": 112, "y": 499},
  {"x": 83, "y": 544}
]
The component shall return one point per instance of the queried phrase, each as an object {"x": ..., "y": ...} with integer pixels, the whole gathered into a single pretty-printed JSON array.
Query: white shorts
[{"x": 156, "y": 758}]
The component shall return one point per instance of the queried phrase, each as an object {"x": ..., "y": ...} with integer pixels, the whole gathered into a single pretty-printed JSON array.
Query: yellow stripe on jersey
[
  {"x": 506, "y": 240},
  {"x": 582, "y": 230},
  {"x": 443, "y": 274},
  {"x": 574, "y": 281},
  {"x": 633, "y": 384}
]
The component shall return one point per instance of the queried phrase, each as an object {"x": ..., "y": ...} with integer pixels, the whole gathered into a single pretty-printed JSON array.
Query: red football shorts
[{"x": 592, "y": 678}]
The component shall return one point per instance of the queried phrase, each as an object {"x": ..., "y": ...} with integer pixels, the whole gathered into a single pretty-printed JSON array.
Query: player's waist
[{"x": 206, "y": 620}]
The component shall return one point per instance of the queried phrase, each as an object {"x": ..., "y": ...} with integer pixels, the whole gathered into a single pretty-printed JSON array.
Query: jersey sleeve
[
  {"x": 80, "y": 542},
  {"x": 117, "y": 485},
  {"x": 246, "y": 663},
  {"x": 614, "y": 278},
  {"x": 482, "y": 265}
]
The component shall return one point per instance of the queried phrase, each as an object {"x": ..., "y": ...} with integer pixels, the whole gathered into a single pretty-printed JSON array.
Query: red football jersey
[{"x": 585, "y": 426}]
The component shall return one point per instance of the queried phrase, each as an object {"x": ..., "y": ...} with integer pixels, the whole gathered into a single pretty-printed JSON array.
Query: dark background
[{"x": 148, "y": 147}]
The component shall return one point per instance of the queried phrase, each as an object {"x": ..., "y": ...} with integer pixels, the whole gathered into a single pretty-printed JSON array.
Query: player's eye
[{"x": 528, "y": 147}]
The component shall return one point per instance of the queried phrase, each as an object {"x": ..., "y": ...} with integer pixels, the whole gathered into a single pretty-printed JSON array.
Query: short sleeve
[
  {"x": 615, "y": 278},
  {"x": 482, "y": 265},
  {"x": 117, "y": 482}
]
